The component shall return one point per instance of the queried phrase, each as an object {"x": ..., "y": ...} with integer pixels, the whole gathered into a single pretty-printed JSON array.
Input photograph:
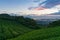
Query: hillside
[
  {"x": 20, "y": 28},
  {"x": 41, "y": 34},
  {"x": 11, "y": 27}
]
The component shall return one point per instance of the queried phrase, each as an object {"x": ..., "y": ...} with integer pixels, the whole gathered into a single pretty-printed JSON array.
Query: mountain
[
  {"x": 47, "y": 16},
  {"x": 13, "y": 26},
  {"x": 52, "y": 33},
  {"x": 45, "y": 19},
  {"x": 25, "y": 28},
  {"x": 38, "y": 17},
  {"x": 11, "y": 29}
]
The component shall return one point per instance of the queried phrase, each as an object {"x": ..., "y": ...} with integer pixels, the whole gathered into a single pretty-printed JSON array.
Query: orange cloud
[{"x": 40, "y": 8}]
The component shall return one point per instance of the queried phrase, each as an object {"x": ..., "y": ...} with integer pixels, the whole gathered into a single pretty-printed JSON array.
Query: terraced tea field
[
  {"x": 11, "y": 29},
  {"x": 41, "y": 34},
  {"x": 19, "y": 28}
]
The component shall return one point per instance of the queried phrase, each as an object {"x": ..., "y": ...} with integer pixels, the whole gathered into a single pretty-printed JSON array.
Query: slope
[
  {"x": 41, "y": 34},
  {"x": 11, "y": 29}
]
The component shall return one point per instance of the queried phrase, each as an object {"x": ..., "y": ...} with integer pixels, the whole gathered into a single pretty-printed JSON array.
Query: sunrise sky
[{"x": 38, "y": 7}]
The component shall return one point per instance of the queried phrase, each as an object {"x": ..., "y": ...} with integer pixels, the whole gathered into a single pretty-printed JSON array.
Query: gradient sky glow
[
  {"x": 30, "y": 6},
  {"x": 15, "y": 5}
]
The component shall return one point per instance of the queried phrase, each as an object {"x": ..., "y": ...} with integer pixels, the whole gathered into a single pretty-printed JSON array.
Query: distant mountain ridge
[{"x": 53, "y": 16}]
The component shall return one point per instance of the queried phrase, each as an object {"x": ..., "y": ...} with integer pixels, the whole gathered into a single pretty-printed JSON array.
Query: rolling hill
[
  {"x": 11, "y": 28},
  {"x": 41, "y": 34},
  {"x": 19, "y": 28}
]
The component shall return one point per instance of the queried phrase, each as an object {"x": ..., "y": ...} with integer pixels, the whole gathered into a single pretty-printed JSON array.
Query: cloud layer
[
  {"x": 43, "y": 11},
  {"x": 51, "y": 3},
  {"x": 46, "y": 3}
]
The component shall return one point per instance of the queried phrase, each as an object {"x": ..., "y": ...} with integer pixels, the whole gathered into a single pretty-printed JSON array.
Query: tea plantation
[
  {"x": 41, "y": 34},
  {"x": 11, "y": 29},
  {"x": 20, "y": 28}
]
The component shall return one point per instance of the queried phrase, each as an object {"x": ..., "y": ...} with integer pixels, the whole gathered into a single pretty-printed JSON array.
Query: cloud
[
  {"x": 50, "y": 7},
  {"x": 39, "y": 1},
  {"x": 31, "y": 8},
  {"x": 51, "y": 3},
  {"x": 58, "y": 8},
  {"x": 47, "y": 6},
  {"x": 47, "y": 3},
  {"x": 36, "y": 0},
  {"x": 43, "y": 12}
]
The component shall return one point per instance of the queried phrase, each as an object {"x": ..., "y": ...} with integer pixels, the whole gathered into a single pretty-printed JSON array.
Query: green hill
[
  {"x": 27, "y": 22},
  {"x": 41, "y": 34},
  {"x": 20, "y": 28},
  {"x": 11, "y": 29}
]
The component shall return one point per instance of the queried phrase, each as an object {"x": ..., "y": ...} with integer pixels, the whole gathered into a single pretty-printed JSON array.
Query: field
[
  {"x": 41, "y": 34},
  {"x": 11, "y": 29},
  {"x": 20, "y": 28}
]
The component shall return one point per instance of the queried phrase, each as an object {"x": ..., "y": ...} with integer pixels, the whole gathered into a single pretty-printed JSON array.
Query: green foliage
[
  {"x": 11, "y": 29},
  {"x": 55, "y": 23},
  {"x": 20, "y": 28},
  {"x": 41, "y": 34},
  {"x": 30, "y": 23}
]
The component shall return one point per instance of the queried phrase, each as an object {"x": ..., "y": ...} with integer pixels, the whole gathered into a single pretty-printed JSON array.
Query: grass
[
  {"x": 41, "y": 34},
  {"x": 53, "y": 38},
  {"x": 11, "y": 29}
]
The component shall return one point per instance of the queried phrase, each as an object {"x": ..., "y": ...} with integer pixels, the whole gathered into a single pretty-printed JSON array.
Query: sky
[
  {"x": 15, "y": 5},
  {"x": 38, "y": 7}
]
